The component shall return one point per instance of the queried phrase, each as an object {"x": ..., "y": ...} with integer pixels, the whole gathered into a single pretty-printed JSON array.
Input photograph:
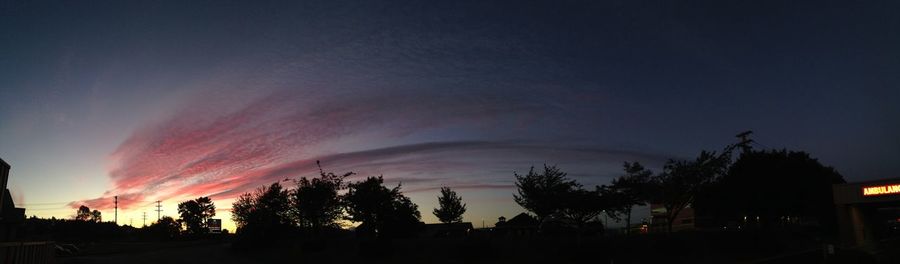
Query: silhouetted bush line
[
  {"x": 758, "y": 190},
  {"x": 88, "y": 227},
  {"x": 77, "y": 231},
  {"x": 785, "y": 195},
  {"x": 314, "y": 208},
  {"x": 561, "y": 205}
]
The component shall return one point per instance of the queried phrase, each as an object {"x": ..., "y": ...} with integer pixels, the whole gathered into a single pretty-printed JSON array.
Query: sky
[{"x": 172, "y": 100}]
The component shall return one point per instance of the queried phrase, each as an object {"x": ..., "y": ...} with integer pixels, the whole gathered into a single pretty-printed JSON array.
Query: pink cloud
[{"x": 198, "y": 153}]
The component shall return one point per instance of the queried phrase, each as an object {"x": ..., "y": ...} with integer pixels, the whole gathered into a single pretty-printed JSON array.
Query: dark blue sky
[{"x": 222, "y": 96}]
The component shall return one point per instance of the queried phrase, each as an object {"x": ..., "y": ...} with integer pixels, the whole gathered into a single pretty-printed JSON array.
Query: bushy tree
[
  {"x": 680, "y": 182},
  {"x": 541, "y": 193},
  {"x": 83, "y": 213},
  {"x": 263, "y": 214},
  {"x": 272, "y": 205},
  {"x": 241, "y": 210},
  {"x": 628, "y": 190},
  {"x": 165, "y": 228},
  {"x": 450, "y": 206},
  {"x": 195, "y": 214},
  {"x": 774, "y": 185},
  {"x": 381, "y": 211},
  {"x": 316, "y": 203},
  {"x": 581, "y": 206},
  {"x": 96, "y": 216}
]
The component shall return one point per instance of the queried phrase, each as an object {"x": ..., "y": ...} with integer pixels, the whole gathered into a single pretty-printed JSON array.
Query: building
[
  {"x": 867, "y": 212},
  {"x": 10, "y": 216},
  {"x": 685, "y": 219},
  {"x": 520, "y": 225},
  {"x": 11, "y": 219}
]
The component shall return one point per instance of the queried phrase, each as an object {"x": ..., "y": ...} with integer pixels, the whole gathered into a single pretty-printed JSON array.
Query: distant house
[
  {"x": 683, "y": 221},
  {"x": 447, "y": 229},
  {"x": 520, "y": 225},
  {"x": 10, "y": 216}
]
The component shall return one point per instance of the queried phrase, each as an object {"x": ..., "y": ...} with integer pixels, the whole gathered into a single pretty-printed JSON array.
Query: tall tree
[
  {"x": 273, "y": 204},
  {"x": 801, "y": 190},
  {"x": 96, "y": 216},
  {"x": 241, "y": 209},
  {"x": 450, "y": 206},
  {"x": 582, "y": 206},
  {"x": 263, "y": 214},
  {"x": 381, "y": 211},
  {"x": 83, "y": 213},
  {"x": 680, "y": 182},
  {"x": 316, "y": 203},
  {"x": 629, "y": 190},
  {"x": 195, "y": 214},
  {"x": 542, "y": 193}
]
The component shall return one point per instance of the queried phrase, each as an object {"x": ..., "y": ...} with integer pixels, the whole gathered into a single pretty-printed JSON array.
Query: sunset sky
[{"x": 171, "y": 101}]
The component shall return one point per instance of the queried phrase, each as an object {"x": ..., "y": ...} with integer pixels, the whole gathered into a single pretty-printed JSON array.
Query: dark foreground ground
[{"x": 684, "y": 248}]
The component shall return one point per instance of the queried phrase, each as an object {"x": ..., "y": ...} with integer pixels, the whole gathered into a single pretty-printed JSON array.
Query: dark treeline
[
  {"x": 763, "y": 193},
  {"x": 759, "y": 193},
  {"x": 318, "y": 207},
  {"x": 87, "y": 226},
  {"x": 758, "y": 189},
  {"x": 81, "y": 231}
]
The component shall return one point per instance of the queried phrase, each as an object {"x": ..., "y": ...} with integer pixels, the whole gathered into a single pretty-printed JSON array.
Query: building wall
[
  {"x": 856, "y": 211},
  {"x": 684, "y": 221}
]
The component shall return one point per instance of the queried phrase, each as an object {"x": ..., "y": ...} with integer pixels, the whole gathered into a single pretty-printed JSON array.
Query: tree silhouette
[
  {"x": 96, "y": 216},
  {"x": 774, "y": 185},
  {"x": 541, "y": 194},
  {"x": 83, "y": 213},
  {"x": 680, "y": 182},
  {"x": 581, "y": 206},
  {"x": 272, "y": 205},
  {"x": 263, "y": 214},
  {"x": 629, "y": 190},
  {"x": 315, "y": 203},
  {"x": 450, "y": 206},
  {"x": 381, "y": 211},
  {"x": 166, "y": 227},
  {"x": 195, "y": 214},
  {"x": 241, "y": 210}
]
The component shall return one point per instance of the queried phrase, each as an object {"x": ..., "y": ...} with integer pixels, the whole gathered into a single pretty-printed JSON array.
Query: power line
[
  {"x": 761, "y": 145},
  {"x": 46, "y": 209},
  {"x": 43, "y": 206},
  {"x": 32, "y": 204}
]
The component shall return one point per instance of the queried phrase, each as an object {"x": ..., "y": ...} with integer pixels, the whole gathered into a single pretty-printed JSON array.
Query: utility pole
[
  {"x": 745, "y": 140},
  {"x": 117, "y": 209},
  {"x": 158, "y": 210},
  {"x": 145, "y": 219}
]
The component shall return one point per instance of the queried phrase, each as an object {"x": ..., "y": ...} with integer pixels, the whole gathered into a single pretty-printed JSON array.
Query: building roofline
[
  {"x": 870, "y": 182},
  {"x": 852, "y": 192}
]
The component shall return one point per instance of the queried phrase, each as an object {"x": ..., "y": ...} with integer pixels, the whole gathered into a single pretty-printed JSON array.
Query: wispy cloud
[
  {"x": 222, "y": 148},
  {"x": 461, "y": 164},
  {"x": 271, "y": 138}
]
